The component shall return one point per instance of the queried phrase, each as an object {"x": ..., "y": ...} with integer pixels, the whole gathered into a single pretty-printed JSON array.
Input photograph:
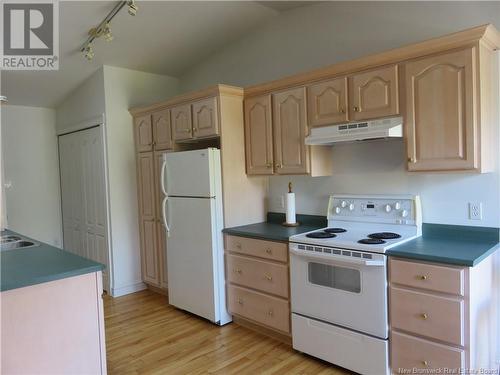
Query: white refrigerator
[{"x": 193, "y": 218}]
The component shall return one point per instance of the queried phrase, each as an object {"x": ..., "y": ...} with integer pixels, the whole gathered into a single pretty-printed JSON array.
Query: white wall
[
  {"x": 319, "y": 35},
  {"x": 29, "y": 155},
  {"x": 85, "y": 103},
  {"x": 125, "y": 89}
]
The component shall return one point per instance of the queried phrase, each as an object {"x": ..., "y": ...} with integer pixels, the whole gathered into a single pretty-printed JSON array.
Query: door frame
[{"x": 97, "y": 121}]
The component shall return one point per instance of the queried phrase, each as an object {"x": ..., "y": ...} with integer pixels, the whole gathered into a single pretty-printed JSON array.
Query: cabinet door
[
  {"x": 162, "y": 131},
  {"x": 289, "y": 123},
  {"x": 161, "y": 234},
  {"x": 147, "y": 218},
  {"x": 440, "y": 125},
  {"x": 143, "y": 133},
  {"x": 182, "y": 123},
  {"x": 259, "y": 135},
  {"x": 327, "y": 102},
  {"x": 206, "y": 118},
  {"x": 374, "y": 94}
]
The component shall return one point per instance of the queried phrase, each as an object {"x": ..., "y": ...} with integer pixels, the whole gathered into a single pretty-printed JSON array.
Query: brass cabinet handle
[
  {"x": 422, "y": 277},
  {"x": 356, "y": 109},
  {"x": 269, "y": 165},
  {"x": 269, "y": 251},
  {"x": 270, "y": 312},
  {"x": 195, "y": 130},
  {"x": 425, "y": 363},
  {"x": 278, "y": 165},
  {"x": 411, "y": 160},
  {"x": 240, "y": 301},
  {"x": 237, "y": 270},
  {"x": 268, "y": 277},
  {"x": 342, "y": 110},
  {"x": 424, "y": 316}
]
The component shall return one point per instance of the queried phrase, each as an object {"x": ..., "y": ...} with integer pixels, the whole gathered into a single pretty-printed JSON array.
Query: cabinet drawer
[
  {"x": 440, "y": 318},
  {"x": 270, "y": 311},
  {"x": 257, "y": 274},
  {"x": 409, "y": 352},
  {"x": 259, "y": 248},
  {"x": 427, "y": 276}
]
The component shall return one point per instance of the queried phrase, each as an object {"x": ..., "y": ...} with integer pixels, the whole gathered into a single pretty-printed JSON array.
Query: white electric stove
[{"x": 338, "y": 278}]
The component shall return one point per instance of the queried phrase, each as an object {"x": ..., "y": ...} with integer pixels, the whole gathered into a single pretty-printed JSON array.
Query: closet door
[{"x": 83, "y": 192}]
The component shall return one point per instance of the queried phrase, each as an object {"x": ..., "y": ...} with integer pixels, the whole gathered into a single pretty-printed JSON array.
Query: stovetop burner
[
  {"x": 320, "y": 235},
  {"x": 371, "y": 241},
  {"x": 384, "y": 236},
  {"x": 335, "y": 230}
]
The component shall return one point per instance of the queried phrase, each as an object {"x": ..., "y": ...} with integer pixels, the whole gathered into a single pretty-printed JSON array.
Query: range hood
[{"x": 356, "y": 131}]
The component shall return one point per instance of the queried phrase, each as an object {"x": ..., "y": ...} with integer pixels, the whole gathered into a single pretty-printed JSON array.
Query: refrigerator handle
[
  {"x": 164, "y": 214},
  {"x": 162, "y": 175}
]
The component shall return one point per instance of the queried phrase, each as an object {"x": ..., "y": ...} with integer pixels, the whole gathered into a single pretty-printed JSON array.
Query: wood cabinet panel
[
  {"x": 374, "y": 94},
  {"x": 146, "y": 185},
  {"x": 428, "y": 315},
  {"x": 143, "y": 133},
  {"x": 440, "y": 107},
  {"x": 290, "y": 128},
  {"x": 259, "y": 136},
  {"x": 258, "y": 274},
  {"x": 431, "y": 277},
  {"x": 149, "y": 253},
  {"x": 160, "y": 228},
  {"x": 162, "y": 131},
  {"x": 182, "y": 122},
  {"x": 259, "y": 248},
  {"x": 270, "y": 311},
  {"x": 327, "y": 102},
  {"x": 410, "y": 353},
  {"x": 206, "y": 118}
]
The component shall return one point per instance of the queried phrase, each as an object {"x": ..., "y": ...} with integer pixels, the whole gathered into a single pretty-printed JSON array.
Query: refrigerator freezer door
[
  {"x": 194, "y": 251},
  {"x": 191, "y": 173}
]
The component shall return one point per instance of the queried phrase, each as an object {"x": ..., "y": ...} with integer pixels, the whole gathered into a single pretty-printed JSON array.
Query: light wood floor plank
[{"x": 145, "y": 335}]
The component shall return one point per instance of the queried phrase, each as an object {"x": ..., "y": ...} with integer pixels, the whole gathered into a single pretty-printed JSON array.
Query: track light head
[
  {"x": 132, "y": 8},
  {"x": 88, "y": 52},
  {"x": 108, "y": 36}
]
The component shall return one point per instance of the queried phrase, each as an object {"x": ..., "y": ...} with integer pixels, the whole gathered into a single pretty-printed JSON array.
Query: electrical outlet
[{"x": 475, "y": 211}]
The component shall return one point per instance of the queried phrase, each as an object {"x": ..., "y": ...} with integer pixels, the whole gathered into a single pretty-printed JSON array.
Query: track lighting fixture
[
  {"x": 104, "y": 28},
  {"x": 132, "y": 7}
]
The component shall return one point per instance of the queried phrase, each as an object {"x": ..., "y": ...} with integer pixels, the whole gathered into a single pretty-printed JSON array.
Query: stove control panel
[{"x": 377, "y": 209}]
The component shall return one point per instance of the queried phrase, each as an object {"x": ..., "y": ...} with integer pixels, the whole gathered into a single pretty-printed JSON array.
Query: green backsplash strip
[
  {"x": 461, "y": 232},
  {"x": 315, "y": 220}
]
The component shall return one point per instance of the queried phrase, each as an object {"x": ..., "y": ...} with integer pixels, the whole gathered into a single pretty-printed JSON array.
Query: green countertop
[
  {"x": 450, "y": 244},
  {"x": 40, "y": 264},
  {"x": 274, "y": 231}
]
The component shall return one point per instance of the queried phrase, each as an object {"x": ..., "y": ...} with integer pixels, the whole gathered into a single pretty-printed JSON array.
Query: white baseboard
[{"x": 121, "y": 291}]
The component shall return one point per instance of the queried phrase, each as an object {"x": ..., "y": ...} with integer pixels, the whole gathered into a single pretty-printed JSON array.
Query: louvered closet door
[{"x": 83, "y": 193}]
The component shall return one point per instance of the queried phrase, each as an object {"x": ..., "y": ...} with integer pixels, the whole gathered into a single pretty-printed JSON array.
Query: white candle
[{"x": 290, "y": 208}]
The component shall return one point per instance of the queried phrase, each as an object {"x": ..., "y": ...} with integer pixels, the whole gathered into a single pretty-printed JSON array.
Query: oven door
[{"x": 345, "y": 289}]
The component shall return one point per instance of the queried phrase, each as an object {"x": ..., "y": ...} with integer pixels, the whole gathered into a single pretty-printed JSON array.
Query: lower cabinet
[{"x": 257, "y": 279}]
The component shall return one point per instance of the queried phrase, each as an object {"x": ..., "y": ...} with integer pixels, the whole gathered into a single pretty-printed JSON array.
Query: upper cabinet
[
  {"x": 440, "y": 121},
  {"x": 182, "y": 122},
  {"x": 327, "y": 102},
  {"x": 290, "y": 128},
  {"x": 374, "y": 94},
  {"x": 259, "y": 135},
  {"x": 205, "y": 118},
  {"x": 143, "y": 133},
  {"x": 162, "y": 130}
]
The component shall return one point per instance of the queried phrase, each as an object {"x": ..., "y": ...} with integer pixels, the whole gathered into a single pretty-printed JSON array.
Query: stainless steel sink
[{"x": 11, "y": 242}]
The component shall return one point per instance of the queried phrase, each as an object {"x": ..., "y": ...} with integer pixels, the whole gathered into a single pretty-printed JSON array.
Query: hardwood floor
[{"x": 145, "y": 335}]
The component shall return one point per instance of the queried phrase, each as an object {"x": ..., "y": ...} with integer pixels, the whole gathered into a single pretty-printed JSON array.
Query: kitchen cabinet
[
  {"x": 147, "y": 219},
  {"x": 161, "y": 234},
  {"x": 257, "y": 278},
  {"x": 374, "y": 94},
  {"x": 162, "y": 131},
  {"x": 275, "y": 131},
  {"x": 143, "y": 133},
  {"x": 182, "y": 122},
  {"x": 442, "y": 124},
  {"x": 205, "y": 118},
  {"x": 437, "y": 311},
  {"x": 259, "y": 136},
  {"x": 327, "y": 102}
]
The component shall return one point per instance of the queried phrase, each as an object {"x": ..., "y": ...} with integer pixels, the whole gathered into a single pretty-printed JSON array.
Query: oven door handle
[{"x": 337, "y": 258}]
